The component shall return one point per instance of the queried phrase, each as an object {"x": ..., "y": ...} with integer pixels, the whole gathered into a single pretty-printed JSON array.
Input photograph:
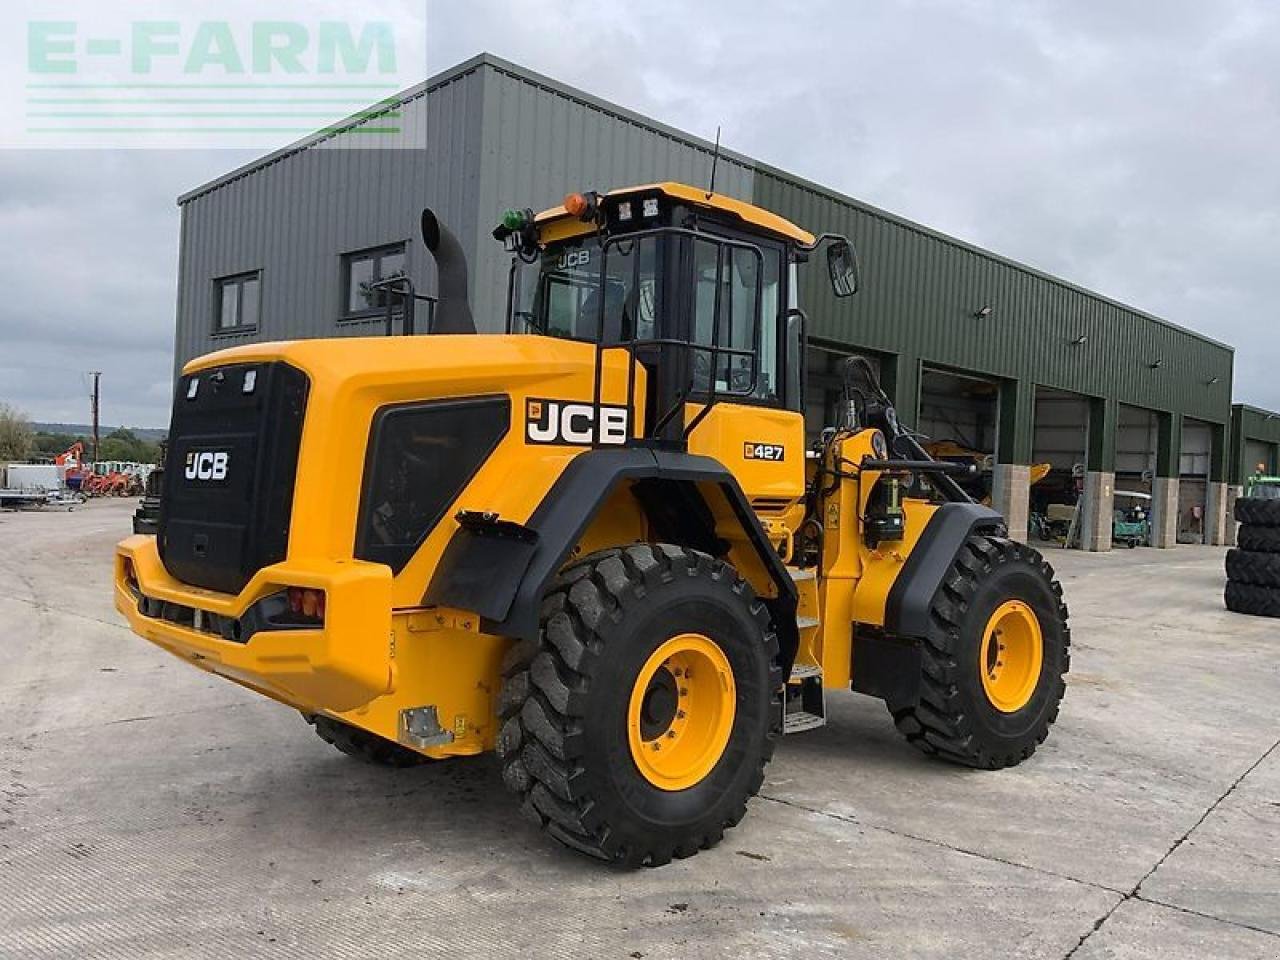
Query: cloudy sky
[{"x": 1133, "y": 152}]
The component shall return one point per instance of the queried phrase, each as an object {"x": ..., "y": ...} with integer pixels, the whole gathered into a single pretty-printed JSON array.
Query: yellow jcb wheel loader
[{"x": 598, "y": 544}]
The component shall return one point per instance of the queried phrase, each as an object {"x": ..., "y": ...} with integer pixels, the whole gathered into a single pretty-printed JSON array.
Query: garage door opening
[
  {"x": 824, "y": 393},
  {"x": 959, "y": 414},
  {"x": 1135, "y": 448},
  {"x": 1058, "y": 463},
  {"x": 1194, "y": 465},
  {"x": 1259, "y": 457}
]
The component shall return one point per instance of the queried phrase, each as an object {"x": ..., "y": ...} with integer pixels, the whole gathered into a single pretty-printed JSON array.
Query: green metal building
[
  {"x": 977, "y": 349},
  {"x": 1255, "y": 442}
]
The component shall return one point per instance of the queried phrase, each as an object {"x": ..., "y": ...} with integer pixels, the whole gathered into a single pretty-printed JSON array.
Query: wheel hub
[
  {"x": 1011, "y": 656},
  {"x": 658, "y": 709},
  {"x": 681, "y": 711}
]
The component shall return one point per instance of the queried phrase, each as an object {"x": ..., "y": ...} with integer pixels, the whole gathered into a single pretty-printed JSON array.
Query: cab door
[{"x": 744, "y": 412}]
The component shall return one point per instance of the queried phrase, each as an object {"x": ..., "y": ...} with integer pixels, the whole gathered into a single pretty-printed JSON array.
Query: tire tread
[
  {"x": 546, "y": 682},
  {"x": 939, "y": 725}
]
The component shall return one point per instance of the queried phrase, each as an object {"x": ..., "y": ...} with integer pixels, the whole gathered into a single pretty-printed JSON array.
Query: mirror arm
[{"x": 820, "y": 240}]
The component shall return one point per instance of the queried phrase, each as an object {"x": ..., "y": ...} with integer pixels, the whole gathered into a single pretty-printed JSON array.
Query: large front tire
[
  {"x": 642, "y": 650},
  {"x": 994, "y": 658}
]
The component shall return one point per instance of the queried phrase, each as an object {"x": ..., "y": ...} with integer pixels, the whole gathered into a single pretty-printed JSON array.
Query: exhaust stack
[{"x": 453, "y": 311}]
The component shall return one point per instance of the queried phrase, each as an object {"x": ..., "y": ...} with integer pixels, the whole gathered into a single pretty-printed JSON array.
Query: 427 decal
[{"x": 774, "y": 452}]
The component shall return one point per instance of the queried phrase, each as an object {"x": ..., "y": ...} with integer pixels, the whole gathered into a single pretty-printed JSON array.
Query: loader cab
[{"x": 700, "y": 289}]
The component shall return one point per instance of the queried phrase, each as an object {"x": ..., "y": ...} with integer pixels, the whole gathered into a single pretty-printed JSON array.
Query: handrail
[{"x": 408, "y": 299}]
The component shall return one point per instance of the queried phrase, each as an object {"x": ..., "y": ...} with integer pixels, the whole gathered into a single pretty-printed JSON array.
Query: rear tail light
[{"x": 306, "y": 605}]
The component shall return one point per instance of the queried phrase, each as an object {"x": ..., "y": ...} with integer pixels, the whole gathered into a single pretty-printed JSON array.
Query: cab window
[
  {"x": 742, "y": 316},
  {"x": 562, "y": 293}
]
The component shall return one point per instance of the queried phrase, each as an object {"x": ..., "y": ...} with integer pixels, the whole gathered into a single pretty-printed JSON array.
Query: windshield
[
  {"x": 607, "y": 289},
  {"x": 560, "y": 293}
]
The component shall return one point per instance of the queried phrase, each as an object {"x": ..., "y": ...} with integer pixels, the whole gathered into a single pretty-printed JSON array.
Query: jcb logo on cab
[
  {"x": 208, "y": 465},
  {"x": 574, "y": 424}
]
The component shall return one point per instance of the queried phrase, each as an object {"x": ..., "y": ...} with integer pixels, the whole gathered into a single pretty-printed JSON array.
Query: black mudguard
[
  {"x": 887, "y": 662},
  {"x": 906, "y": 611},
  {"x": 503, "y": 574}
]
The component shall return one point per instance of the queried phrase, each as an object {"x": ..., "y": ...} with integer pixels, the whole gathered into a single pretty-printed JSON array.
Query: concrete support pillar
[
  {"x": 900, "y": 378},
  {"x": 1098, "y": 499},
  {"x": 1164, "y": 512},
  {"x": 1231, "y": 529},
  {"x": 1216, "y": 520},
  {"x": 1097, "y": 509},
  {"x": 1011, "y": 480},
  {"x": 1219, "y": 527},
  {"x": 1011, "y": 496},
  {"x": 1164, "y": 492}
]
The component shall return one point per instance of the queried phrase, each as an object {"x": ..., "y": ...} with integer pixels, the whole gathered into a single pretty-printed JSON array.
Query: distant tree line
[{"x": 18, "y": 441}]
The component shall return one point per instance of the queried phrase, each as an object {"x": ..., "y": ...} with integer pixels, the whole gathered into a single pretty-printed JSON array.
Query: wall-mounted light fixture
[
  {"x": 1211, "y": 381},
  {"x": 1081, "y": 340},
  {"x": 983, "y": 312},
  {"x": 1156, "y": 364}
]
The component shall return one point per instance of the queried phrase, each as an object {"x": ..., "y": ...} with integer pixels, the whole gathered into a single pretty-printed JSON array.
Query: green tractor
[{"x": 1262, "y": 486}]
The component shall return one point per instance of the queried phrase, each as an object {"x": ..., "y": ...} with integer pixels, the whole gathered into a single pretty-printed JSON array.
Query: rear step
[
  {"x": 803, "y": 671},
  {"x": 804, "y": 702},
  {"x": 800, "y": 721}
]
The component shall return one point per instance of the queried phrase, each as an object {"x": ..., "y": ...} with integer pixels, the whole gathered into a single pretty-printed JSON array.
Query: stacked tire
[{"x": 1253, "y": 568}]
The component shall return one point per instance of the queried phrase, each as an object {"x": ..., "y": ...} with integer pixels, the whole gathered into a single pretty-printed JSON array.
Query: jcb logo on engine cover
[
  {"x": 574, "y": 424},
  {"x": 207, "y": 465}
]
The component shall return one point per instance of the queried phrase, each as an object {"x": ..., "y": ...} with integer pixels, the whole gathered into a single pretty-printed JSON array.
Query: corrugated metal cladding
[
  {"x": 488, "y": 135},
  {"x": 1255, "y": 439},
  {"x": 295, "y": 215},
  {"x": 921, "y": 291}
]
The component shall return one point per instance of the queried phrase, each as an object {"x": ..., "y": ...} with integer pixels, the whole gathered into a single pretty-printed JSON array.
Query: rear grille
[
  {"x": 270, "y": 613},
  {"x": 230, "y": 472},
  {"x": 421, "y": 456},
  {"x": 771, "y": 504}
]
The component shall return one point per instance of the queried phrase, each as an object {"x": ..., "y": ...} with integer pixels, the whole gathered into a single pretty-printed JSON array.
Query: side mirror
[{"x": 842, "y": 266}]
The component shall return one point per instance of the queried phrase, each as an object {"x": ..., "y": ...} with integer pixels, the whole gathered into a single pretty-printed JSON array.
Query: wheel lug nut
[
  {"x": 684, "y": 691},
  {"x": 679, "y": 714},
  {"x": 671, "y": 734}
]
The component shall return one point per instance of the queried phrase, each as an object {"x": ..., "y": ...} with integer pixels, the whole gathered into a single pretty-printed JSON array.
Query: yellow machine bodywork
[
  {"x": 381, "y": 651},
  {"x": 603, "y": 544}
]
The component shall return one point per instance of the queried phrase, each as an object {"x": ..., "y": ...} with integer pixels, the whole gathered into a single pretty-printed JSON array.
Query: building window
[
  {"x": 363, "y": 268},
  {"x": 237, "y": 302}
]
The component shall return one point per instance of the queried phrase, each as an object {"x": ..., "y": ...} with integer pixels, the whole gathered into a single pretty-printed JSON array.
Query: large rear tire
[
  {"x": 994, "y": 659},
  {"x": 1259, "y": 511},
  {"x": 638, "y": 724},
  {"x": 1259, "y": 569},
  {"x": 1259, "y": 539},
  {"x": 1251, "y": 599},
  {"x": 365, "y": 746}
]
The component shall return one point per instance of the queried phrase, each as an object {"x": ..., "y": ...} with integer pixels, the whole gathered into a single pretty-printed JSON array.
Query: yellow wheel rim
[
  {"x": 1011, "y": 656},
  {"x": 681, "y": 712}
]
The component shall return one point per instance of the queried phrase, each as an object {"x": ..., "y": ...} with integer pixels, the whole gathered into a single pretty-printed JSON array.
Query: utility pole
[{"x": 97, "y": 377}]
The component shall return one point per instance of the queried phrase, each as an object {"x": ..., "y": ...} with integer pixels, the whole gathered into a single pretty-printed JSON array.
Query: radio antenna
[{"x": 715, "y": 159}]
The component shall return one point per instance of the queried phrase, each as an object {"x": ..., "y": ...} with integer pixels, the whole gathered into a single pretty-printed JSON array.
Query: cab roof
[{"x": 748, "y": 213}]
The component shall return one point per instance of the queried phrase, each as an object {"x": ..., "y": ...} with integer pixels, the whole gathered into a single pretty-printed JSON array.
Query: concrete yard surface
[{"x": 148, "y": 810}]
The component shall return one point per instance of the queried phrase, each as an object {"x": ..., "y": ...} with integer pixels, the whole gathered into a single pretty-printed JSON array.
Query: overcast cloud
[{"x": 1129, "y": 147}]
